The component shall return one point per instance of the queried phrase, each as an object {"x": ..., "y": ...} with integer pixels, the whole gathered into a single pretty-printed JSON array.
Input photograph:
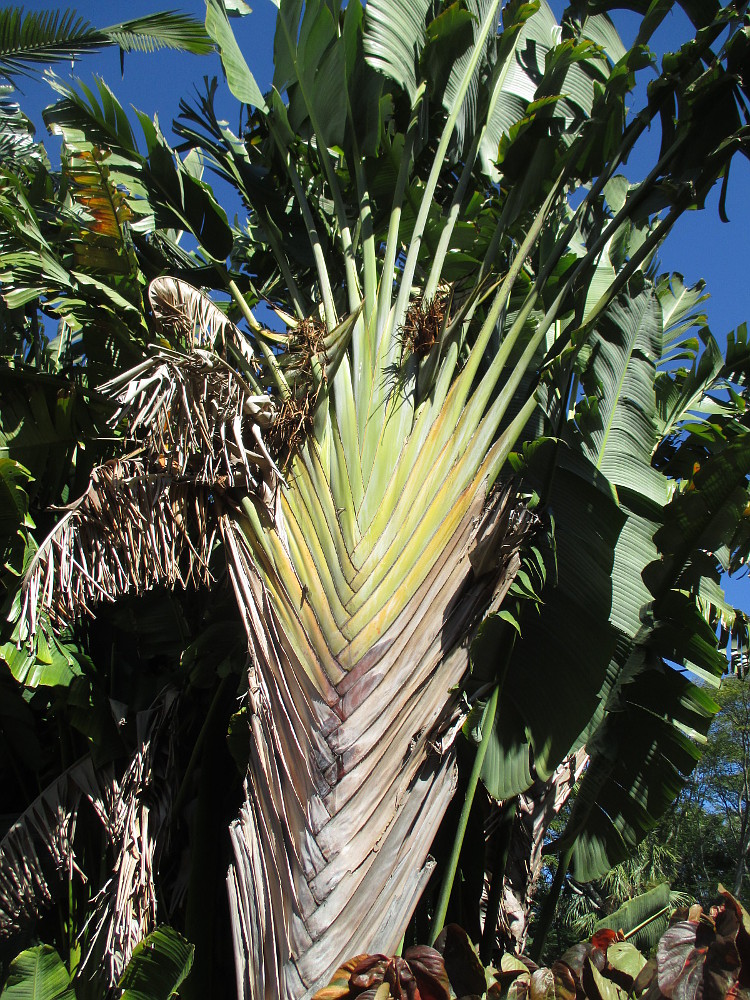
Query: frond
[
  {"x": 124, "y": 909},
  {"x": 42, "y": 37},
  {"x": 28, "y": 39},
  {"x": 187, "y": 315},
  {"x": 41, "y": 836},
  {"x": 193, "y": 414},
  {"x": 40, "y": 843},
  {"x": 17, "y": 144},
  {"x": 150, "y": 518},
  {"x": 100, "y": 241},
  {"x": 165, "y": 30},
  {"x": 131, "y": 530}
]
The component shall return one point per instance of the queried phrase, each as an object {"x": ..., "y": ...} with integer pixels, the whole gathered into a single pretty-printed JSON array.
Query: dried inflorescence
[
  {"x": 308, "y": 339},
  {"x": 294, "y": 418},
  {"x": 293, "y": 423},
  {"x": 423, "y": 323}
]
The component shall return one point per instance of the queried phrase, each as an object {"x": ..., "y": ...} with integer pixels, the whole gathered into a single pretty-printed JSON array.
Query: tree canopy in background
[{"x": 407, "y": 495}]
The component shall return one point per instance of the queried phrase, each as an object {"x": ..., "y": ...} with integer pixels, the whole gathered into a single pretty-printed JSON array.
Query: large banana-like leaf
[
  {"x": 394, "y": 38},
  {"x": 640, "y": 749},
  {"x": 42, "y": 424},
  {"x": 638, "y": 725},
  {"x": 158, "y": 966},
  {"x": 309, "y": 64},
  {"x": 643, "y": 918},
  {"x": 38, "y": 974}
]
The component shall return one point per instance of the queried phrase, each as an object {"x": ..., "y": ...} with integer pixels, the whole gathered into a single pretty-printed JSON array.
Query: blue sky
[{"x": 701, "y": 246}]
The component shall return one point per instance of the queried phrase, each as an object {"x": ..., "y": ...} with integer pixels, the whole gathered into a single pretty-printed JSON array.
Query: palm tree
[{"x": 447, "y": 313}]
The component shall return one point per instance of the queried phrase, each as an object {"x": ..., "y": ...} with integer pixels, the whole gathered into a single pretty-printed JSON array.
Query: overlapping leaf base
[{"x": 351, "y": 764}]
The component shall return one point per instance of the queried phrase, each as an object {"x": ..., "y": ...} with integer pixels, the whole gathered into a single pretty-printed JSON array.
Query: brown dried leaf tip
[
  {"x": 423, "y": 323},
  {"x": 294, "y": 417}
]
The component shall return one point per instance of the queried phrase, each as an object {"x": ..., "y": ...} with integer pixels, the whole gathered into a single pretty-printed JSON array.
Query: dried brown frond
[
  {"x": 423, "y": 323},
  {"x": 184, "y": 314},
  {"x": 125, "y": 907},
  {"x": 151, "y": 519},
  {"x": 133, "y": 816},
  {"x": 294, "y": 418},
  {"x": 40, "y": 843},
  {"x": 197, "y": 418},
  {"x": 131, "y": 530},
  {"x": 37, "y": 856}
]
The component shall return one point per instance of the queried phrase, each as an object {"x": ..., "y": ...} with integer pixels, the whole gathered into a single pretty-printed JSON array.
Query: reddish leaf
[
  {"x": 381, "y": 992},
  {"x": 575, "y": 957},
  {"x": 604, "y": 938},
  {"x": 743, "y": 936},
  {"x": 566, "y": 986},
  {"x": 680, "y": 959},
  {"x": 517, "y": 990},
  {"x": 513, "y": 980},
  {"x": 401, "y": 980},
  {"x": 429, "y": 971},
  {"x": 465, "y": 971},
  {"x": 723, "y": 959},
  {"x": 369, "y": 971},
  {"x": 542, "y": 985},
  {"x": 339, "y": 984},
  {"x": 645, "y": 977}
]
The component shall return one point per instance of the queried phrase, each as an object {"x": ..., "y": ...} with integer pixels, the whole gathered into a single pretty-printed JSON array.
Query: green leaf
[
  {"x": 451, "y": 42},
  {"x": 162, "y": 189},
  {"x": 633, "y": 913},
  {"x": 570, "y": 636},
  {"x": 30, "y": 39},
  {"x": 596, "y": 984},
  {"x": 310, "y": 65},
  {"x": 639, "y": 762},
  {"x": 162, "y": 30},
  {"x": 241, "y": 81},
  {"x": 159, "y": 964},
  {"x": 41, "y": 425},
  {"x": 625, "y": 957},
  {"x": 37, "y": 974},
  {"x": 45, "y": 664},
  {"x": 520, "y": 64},
  {"x": 621, "y": 373},
  {"x": 26, "y": 40},
  {"x": 394, "y": 38},
  {"x": 14, "y": 500},
  {"x": 237, "y": 8}
]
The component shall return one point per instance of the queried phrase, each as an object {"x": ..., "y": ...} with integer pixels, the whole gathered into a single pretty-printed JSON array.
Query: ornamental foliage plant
[
  {"x": 701, "y": 954},
  {"x": 421, "y": 459}
]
